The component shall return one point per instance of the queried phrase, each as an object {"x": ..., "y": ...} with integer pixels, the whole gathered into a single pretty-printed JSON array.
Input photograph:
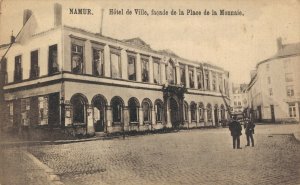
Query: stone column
[
  {"x": 210, "y": 79},
  {"x": 195, "y": 78},
  {"x": 163, "y": 72},
  {"x": 197, "y": 115},
  {"x": 177, "y": 74},
  {"x": 169, "y": 124},
  {"x": 213, "y": 117},
  {"x": 153, "y": 116},
  {"x": 108, "y": 118},
  {"x": 124, "y": 64},
  {"x": 90, "y": 120},
  {"x": 107, "y": 71},
  {"x": 189, "y": 117},
  {"x": 205, "y": 116},
  {"x": 187, "y": 78},
  {"x": 141, "y": 116},
  {"x": 138, "y": 68},
  {"x": 126, "y": 118},
  {"x": 151, "y": 80}
]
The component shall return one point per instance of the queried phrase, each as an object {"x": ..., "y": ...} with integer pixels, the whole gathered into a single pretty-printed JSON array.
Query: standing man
[
  {"x": 236, "y": 130},
  {"x": 249, "y": 131}
]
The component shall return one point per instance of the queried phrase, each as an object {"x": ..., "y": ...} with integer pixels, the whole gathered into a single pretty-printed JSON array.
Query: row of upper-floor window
[{"x": 202, "y": 80}]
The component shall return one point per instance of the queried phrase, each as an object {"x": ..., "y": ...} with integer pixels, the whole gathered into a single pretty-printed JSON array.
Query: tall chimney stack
[
  {"x": 279, "y": 43},
  {"x": 57, "y": 14},
  {"x": 26, "y": 15}
]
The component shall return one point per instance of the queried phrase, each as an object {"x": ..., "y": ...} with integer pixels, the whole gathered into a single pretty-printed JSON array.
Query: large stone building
[
  {"x": 274, "y": 90},
  {"x": 71, "y": 78}
]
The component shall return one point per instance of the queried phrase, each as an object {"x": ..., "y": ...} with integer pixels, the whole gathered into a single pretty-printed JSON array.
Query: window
[
  {"x": 78, "y": 104},
  {"x": 199, "y": 79},
  {"x": 3, "y": 70},
  {"x": 146, "y": 111},
  {"x": 131, "y": 67},
  {"x": 52, "y": 60},
  {"x": 182, "y": 75},
  {"x": 288, "y": 77},
  {"x": 269, "y": 80},
  {"x": 159, "y": 111},
  {"x": 18, "y": 75},
  {"x": 209, "y": 113},
  {"x": 235, "y": 103},
  {"x": 133, "y": 110},
  {"x": 145, "y": 69},
  {"x": 185, "y": 113},
  {"x": 220, "y": 82},
  {"x": 115, "y": 65},
  {"x": 292, "y": 110},
  {"x": 214, "y": 81},
  {"x": 34, "y": 64},
  {"x": 117, "y": 108},
  {"x": 77, "y": 59},
  {"x": 156, "y": 71},
  {"x": 191, "y": 77},
  {"x": 290, "y": 90},
  {"x": 193, "y": 112},
  {"x": 270, "y": 91},
  {"x": 201, "y": 112},
  {"x": 239, "y": 103},
  {"x": 98, "y": 62},
  {"x": 171, "y": 75},
  {"x": 207, "y": 80}
]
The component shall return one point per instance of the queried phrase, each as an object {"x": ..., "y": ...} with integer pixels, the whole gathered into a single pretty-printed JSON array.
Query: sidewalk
[{"x": 18, "y": 167}]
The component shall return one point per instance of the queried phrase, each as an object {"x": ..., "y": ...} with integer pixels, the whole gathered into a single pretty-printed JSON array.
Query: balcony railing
[
  {"x": 35, "y": 72},
  {"x": 18, "y": 75}
]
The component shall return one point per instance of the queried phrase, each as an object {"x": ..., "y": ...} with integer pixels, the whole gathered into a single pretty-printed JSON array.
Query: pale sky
[{"x": 236, "y": 43}]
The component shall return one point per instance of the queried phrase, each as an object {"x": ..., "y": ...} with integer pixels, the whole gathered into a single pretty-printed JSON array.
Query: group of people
[{"x": 236, "y": 131}]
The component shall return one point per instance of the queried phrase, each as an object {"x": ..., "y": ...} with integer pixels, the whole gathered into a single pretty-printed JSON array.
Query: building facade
[
  {"x": 274, "y": 90},
  {"x": 239, "y": 98},
  {"x": 71, "y": 78}
]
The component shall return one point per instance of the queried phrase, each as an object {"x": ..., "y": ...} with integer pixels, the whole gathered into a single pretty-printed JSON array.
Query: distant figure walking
[
  {"x": 236, "y": 131},
  {"x": 249, "y": 131}
]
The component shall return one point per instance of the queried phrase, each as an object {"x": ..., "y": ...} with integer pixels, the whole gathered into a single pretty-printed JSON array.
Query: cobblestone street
[{"x": 186, "y": 157}]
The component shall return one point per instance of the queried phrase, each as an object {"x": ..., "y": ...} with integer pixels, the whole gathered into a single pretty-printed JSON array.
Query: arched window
[
  {"x": 201, "y": 112},
  {"x": 193, "y": 111},
  {"x": 117, "y": 109},
  {"x": 186, "y": 110},
  {"x": 171, "y": 73},
  {"x": 146, "y": 111},
  {"x": 159, "y": 110},
  {"x": 78, "y": 103},
  {"x": 209, "y": 112},
  {"x": 133, "y": 106}
]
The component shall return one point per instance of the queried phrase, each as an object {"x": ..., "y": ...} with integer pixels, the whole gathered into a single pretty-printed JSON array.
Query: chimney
[
  {"x": 279, "y": 43},
  {"x": 26, "y": 15},
  {"x": 57, "y": 15}
]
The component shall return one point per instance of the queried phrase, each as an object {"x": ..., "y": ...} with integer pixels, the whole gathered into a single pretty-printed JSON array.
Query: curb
[
  {"x": 297, "y": 135},
  {"x": 51, "y": 176}
]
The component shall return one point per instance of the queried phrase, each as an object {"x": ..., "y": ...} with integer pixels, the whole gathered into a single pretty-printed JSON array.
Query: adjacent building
[
  {"x": 274, "y": 90},
  {"x": 70, "y": 78},
  {"x": 239, "y": 98}
]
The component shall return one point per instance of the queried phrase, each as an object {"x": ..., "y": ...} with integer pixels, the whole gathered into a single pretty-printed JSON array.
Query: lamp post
[{"x": 62, "y": 112}]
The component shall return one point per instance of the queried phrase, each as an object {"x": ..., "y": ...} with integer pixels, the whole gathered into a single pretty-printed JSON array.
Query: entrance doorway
[
  {"x": 99, "y": 113},
  {"x": 272, "y": 113},
  {"x": 174, "y": 112},
  {"x": 53, "y": 109}
]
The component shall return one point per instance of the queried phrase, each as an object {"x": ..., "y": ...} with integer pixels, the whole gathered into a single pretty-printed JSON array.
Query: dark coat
[
  {"x": 249, "y": 127},
  {"x": 235, "y": 128}
]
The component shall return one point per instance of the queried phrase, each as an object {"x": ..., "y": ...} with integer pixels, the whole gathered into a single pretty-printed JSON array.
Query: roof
[
  {"x": 285, "y": 51},
  {"x": 137, "y": 41}
]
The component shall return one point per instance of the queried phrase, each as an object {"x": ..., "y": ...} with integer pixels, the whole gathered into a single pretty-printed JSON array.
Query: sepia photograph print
[{"x": 153, "y": 92}]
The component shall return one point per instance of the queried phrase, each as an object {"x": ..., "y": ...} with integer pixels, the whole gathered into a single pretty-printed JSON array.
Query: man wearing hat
[
  {"x": 236, "y": 131},
  {"x": 249, "y": 131}
]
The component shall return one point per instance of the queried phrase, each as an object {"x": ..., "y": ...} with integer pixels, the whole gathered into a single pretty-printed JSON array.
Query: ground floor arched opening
[{"x": 99, "y": 109}]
